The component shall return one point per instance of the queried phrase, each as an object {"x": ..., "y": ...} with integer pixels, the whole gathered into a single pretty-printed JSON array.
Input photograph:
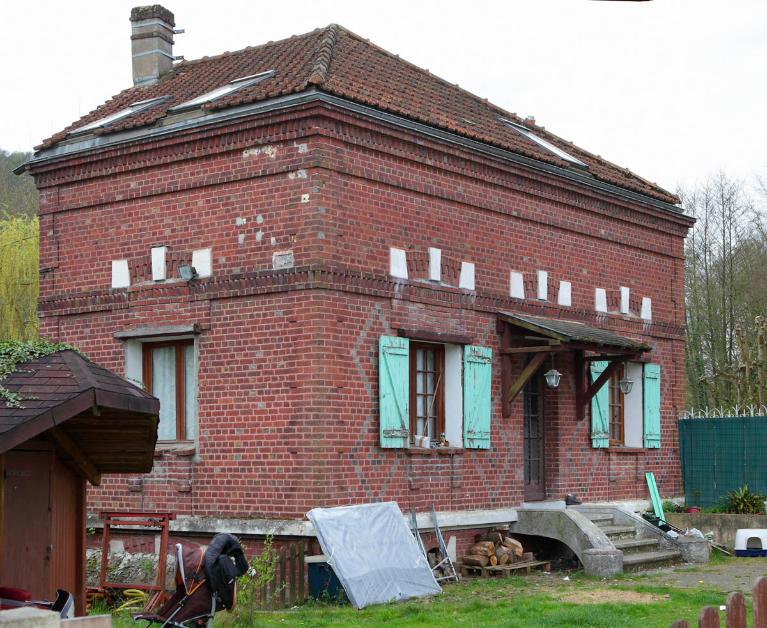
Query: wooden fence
[
  {"x": 735, "y": 613},
  {"x": 288, "y": 587}
]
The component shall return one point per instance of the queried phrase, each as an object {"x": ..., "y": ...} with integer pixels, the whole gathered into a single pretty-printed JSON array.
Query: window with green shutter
[
  {"x": 477, "y": 405},
  {"x": 651, "y": 390},
  {"x": 434, "y": 394},
  {"x": 393, "y": 386},
  {"x": 600, "y": 419}
]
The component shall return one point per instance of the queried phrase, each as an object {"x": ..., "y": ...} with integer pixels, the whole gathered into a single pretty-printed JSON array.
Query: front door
[{"x": 535, "y": 486}]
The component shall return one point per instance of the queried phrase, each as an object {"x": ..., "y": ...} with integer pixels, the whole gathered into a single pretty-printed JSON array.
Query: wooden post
[
  {"x": 302, "y": 570},
  {"x": 736, "y": 610},
  {"x": 760, "y": 602},
  {"x": 505, "y": 373},
  {"x": 580, "y": 385},
  {"x": 292, "y": 571},
  {"x": 708, "y": 618},
  {"x": 283, "y": 580}
]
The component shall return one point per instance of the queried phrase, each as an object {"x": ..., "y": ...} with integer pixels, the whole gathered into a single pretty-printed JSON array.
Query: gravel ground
[{"x": 731, "y": 574}]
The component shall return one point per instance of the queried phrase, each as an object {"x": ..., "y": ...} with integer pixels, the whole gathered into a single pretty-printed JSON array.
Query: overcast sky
[{"x": 673, "y": 89}]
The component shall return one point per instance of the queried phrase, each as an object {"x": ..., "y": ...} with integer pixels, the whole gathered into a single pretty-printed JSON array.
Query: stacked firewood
[{"x": 494, "y": 548}]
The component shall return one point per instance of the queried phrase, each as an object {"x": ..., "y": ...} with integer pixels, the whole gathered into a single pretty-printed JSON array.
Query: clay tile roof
[
  {"x": 341, "y": 63},
  {"x": 93, "y": 405}
]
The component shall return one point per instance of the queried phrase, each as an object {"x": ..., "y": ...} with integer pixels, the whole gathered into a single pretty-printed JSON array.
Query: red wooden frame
[{"x": 146, "y": 520}]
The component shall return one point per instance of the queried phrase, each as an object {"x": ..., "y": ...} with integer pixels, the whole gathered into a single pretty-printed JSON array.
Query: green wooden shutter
[
  {"x": 600, "y": 422},
  {"x": 477, "y": 405},
  {"x": 394, "y": 393},
  {"x": 651, "y": 402}
]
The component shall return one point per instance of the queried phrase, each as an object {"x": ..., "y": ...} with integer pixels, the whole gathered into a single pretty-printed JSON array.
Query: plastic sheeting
[{"x": 373, "y": 553}]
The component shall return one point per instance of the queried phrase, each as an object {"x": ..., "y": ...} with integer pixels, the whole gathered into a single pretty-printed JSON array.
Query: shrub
[{"x": 743, "y": 501}]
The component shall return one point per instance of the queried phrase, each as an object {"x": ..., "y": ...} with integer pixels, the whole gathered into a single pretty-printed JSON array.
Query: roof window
[
  {"x": 119, "y": 115},
  {"x": 229, "y": 88},
  {"x": 545, "y": 144}
]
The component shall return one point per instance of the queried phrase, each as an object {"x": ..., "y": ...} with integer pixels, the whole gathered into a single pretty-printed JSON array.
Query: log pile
[{"x": 494, "y": 548}]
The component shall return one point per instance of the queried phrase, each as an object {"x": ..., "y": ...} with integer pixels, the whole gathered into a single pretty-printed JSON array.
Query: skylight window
[
  {"x": 541, "y": 142},
  {"x": 119, "y": 115},
  {"x": 229, "y": 88}
]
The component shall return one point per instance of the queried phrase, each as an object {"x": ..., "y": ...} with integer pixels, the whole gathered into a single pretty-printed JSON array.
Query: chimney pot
[{"x": 151, "y": 43}]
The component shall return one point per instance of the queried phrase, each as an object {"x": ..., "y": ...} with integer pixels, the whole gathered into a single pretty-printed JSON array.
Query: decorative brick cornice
[{"x": 319, "y": 277}]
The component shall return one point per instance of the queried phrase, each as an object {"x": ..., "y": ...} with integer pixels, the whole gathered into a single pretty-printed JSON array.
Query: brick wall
[{"x": 288, "y": 359}]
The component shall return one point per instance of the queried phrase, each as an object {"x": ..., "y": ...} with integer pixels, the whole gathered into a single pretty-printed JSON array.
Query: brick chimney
[{"x": 151, "y": 43}]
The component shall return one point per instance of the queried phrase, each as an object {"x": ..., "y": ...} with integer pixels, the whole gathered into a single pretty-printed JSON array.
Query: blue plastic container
[{"x": 323, "y": 583}]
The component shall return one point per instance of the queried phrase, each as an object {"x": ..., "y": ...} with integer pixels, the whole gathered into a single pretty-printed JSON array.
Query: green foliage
[
  {"x": 18, "y": 195},
  {"x": 743, "y": 501},
  {"x": 669, "y": 506},
  {"x": 19, "y": 277},
  {"x": 15, "y": 352},
  {"x": 263, "y": 570}
]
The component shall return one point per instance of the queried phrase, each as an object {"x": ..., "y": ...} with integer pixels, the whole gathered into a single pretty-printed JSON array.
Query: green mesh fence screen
[{"x": 720, "y": 455}]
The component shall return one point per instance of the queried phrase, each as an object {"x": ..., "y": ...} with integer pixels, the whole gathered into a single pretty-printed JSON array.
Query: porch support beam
[
  {"x": 524, "y": 377},
  {"x": 78, "y": 456},
  {"x": 555, "y": 346},
  {"x": 608, "y": 357}
]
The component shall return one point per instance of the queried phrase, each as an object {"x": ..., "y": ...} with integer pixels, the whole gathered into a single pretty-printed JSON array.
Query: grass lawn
[{"x": 536, "y": 600}]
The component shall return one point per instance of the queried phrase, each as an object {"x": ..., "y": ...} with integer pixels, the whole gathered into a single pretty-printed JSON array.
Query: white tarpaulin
[{"x": 373, "y": 553}]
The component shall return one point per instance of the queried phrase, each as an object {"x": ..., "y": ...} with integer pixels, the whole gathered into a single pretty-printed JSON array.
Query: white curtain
[
  {"x": 164, "y": 388},
  {"x": 190, "y": 392}
]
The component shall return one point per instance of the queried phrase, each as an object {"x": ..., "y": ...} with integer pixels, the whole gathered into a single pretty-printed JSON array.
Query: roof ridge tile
[{"x": 324, "y": 55}]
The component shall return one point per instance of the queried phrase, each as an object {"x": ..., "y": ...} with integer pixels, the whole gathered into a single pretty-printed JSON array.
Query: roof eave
[{"x": 99, "y": 142}]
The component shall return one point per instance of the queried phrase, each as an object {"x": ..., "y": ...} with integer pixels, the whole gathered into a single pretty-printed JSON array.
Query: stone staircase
[{"x": 640, "y": 551}]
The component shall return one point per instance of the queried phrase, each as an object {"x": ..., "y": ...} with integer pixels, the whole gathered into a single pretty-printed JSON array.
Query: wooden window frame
[
  {"x": 146, "y": 355},
  {"x": 615, "y": 393},
  {"x": 412, "y": 384}
]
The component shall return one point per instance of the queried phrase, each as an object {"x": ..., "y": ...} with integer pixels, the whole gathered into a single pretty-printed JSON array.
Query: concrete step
[
  {"x": 601, "y": 519},
  {"x": 633, "y": 546},
  {"x": 618, "y": 532},
  {"x": 650, "y": 560}
]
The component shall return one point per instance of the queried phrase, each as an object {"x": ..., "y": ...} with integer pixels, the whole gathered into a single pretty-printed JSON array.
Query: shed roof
[
  {"x": 574, "y": 332},
  {"x": 111, "y": 422},
  {"x": 338, "y": 62}
]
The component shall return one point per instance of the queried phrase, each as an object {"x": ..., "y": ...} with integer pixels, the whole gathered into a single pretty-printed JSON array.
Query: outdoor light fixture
[
  {"x": 626, "y": 384},
  {"x": 552, "y": 376},
  {"x": 187, "y": 272}
]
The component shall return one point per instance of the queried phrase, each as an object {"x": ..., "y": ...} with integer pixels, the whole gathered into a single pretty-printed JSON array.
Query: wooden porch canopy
[
  {"x": 536, "y": 337},
  {"x": 98, "y": 421}
]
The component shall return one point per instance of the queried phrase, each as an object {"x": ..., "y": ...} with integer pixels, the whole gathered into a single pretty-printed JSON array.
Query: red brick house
[{"x": 345, "y": 278}]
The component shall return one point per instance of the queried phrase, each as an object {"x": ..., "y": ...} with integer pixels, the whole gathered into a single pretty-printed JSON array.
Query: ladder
[{"x": 444, "y": 570}]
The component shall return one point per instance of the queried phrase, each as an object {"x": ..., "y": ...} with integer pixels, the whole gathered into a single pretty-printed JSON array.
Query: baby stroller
[{"x": 205, "y": 583}]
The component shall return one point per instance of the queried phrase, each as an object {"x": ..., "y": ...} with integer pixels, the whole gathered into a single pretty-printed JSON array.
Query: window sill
[
  {"x": 619, "y": 449},
  {"x": 437, "y": 451},
  {"x": 181, "y": 449}
]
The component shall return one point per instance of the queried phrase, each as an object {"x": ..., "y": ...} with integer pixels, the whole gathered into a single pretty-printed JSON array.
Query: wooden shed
[{"x": 77, "y": 422}]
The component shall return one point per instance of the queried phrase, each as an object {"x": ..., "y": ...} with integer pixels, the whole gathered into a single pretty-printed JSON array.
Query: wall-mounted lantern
[
  {"x": 187, "y": 272},
  {"x": 552, "y": 376},
  {"x": 626, "y": 384}
]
